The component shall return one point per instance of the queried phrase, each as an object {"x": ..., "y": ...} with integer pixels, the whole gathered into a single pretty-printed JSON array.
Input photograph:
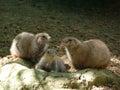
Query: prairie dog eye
[
  {"x": 44, "y": 37},
  {"x": 69, "y": 40}
]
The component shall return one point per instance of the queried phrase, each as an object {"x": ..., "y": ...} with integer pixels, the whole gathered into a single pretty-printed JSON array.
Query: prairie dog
[
  {"x": 51, "y": 62},
  {"x": 92, "y": 53},
  {"x": 29, "y": 46},
  {"x": 40, "y": 44}
]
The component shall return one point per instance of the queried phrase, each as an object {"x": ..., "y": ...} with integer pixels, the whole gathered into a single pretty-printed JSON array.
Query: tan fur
[
  {"x": 91, "y": 53},
  {"x": 29, "y": 46},
  {"x": 51, "y": 62}
]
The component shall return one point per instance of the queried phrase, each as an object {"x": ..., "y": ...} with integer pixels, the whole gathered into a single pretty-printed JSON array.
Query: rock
[{"x": 18, "y": 75}]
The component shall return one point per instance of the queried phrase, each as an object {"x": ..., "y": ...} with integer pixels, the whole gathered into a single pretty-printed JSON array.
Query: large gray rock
[{"x": 19, "y": 75}]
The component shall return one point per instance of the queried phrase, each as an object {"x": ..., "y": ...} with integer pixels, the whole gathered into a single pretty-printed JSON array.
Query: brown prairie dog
[
  {"x": 29, "y": 46},
  {"x": 40, "y": 44},
  {"x": 51, "y": 62},
  {"x": 91, "y": 53}
]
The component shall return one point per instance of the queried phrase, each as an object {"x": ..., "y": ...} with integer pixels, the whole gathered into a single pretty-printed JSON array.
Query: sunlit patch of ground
[{"x": 114, "y": 65}]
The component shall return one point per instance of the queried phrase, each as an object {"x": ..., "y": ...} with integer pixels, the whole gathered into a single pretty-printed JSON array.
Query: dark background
[{"x": 84, "y": 19}]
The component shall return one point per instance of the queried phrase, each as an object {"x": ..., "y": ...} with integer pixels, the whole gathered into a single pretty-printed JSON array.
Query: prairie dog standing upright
[
  {"x": 51, "y": 62},
  {"x": 40, "y": 44},
  {"x": 29, "y": 46},
  {"x": 91, "y": 53}
]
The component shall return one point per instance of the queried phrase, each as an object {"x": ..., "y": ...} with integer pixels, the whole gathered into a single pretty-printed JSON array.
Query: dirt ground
[{"x": 60, "y": 21}]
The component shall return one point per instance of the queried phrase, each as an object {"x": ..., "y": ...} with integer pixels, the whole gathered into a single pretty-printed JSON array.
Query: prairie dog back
[{"x": 21, "y": 44}]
